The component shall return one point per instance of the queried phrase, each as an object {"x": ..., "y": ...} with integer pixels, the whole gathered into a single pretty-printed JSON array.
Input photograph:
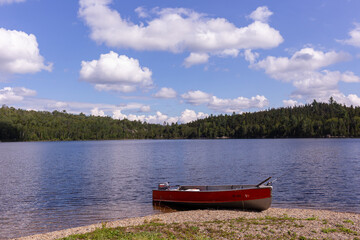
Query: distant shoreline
[
  {"x": 187, "y": 139},
  {"x": 308, "y": 223},
  {"x": 320, "y": 120}
]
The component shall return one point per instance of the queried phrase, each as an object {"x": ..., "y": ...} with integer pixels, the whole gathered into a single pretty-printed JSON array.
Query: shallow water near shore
[{"x": 47, "y": 186}]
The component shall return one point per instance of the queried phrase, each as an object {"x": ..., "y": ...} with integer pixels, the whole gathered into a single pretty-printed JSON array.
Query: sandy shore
[{"x": 315, "y": 224}]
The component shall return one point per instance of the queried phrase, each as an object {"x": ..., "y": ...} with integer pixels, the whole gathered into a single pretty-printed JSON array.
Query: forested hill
[{"x": 312, "y": 120}]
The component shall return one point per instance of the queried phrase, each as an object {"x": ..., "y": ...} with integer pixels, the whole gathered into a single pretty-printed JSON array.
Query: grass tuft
[
  {"x": 348, "y": 221},
  {"x": 328, "y": 230}
]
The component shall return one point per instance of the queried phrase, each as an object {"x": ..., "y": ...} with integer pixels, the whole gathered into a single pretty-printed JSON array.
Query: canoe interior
[{"x": 215, "y": 187}]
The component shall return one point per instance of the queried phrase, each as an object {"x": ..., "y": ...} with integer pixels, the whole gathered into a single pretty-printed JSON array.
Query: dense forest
[{"x": 311, "y": 120}]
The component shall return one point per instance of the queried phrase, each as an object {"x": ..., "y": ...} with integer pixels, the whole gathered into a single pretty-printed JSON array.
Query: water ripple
[{"x": 48, "y": 186}]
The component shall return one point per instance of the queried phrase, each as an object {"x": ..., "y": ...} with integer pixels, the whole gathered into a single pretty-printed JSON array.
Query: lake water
[{"x": 47, "y": 186}]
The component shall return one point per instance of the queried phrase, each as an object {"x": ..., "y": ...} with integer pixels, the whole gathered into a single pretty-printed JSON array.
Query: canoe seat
[{"x": 193, "y": 190}]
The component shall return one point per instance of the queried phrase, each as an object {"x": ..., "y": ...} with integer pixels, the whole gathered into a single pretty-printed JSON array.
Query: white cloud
[
  {"x": 250, "y": 56},
  {"x": 305, "y": 71},
  {"x": 237, "y": 104},
  {"x": 305, "y": 60},
  {"x": 353, "y": 99},
  {"x": 24, "y": 98},
  {"x": 58, "y": 105},
  {"x": 9, "y": 95},
  {"x": 196, "y": 97},
  {"x": 132, "y": 106},
  {"x": 159, "y": 118},
  {"x": 115, "y": 87},
  {"x": 354, "y": 39},
  {"x": 350, "y": 77},
  {"x": 117, "y": 114},
  {"x": 116, "y": 73},
  {"x": 316, "y": 85},
  {"x": 145, "y": 108},
  {"x": 166, "y": 93},
  {"x": 224, "y": 105},
  {"x": 19, "y": 53},
  {"x": 97, "y": 112},
  {"x": 291, "y": 103},
  {"x": 190, "y": 115},
  {"x": 261, "y": 14},
  {"x": 176, "y": 30},
  {"x": 196, "y": 58},
  {"x": 24, "y": 91},
  {"x": 229, "y": 53},
  {"x": 10, "y": 1},
  {"x": 141, "y": 12}
]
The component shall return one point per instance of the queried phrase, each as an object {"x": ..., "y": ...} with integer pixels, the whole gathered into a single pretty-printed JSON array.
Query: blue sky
[{"x": 176, "y": 61}]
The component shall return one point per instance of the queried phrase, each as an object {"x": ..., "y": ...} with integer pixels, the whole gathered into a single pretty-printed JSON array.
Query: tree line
[{"x": 307, "y": 121}]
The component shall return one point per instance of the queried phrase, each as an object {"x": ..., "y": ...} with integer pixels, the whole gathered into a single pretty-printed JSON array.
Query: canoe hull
[{"x": 257, "y": 199}]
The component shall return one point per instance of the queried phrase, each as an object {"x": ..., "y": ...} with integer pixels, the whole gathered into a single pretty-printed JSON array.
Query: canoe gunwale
[{"x": 219, "y": 188}]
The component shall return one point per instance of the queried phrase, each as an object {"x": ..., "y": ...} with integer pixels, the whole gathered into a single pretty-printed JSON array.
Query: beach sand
[{"x": 308, "y": 223}]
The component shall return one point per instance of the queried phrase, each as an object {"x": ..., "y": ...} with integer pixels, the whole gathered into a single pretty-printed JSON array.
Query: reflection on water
[
  {"x": 48, "y": 186},
  {"x": 163, "y": 208}
]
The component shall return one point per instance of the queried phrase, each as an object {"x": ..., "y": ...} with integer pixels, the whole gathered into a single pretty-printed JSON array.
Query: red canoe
[{"x": 244, "y": 197}]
